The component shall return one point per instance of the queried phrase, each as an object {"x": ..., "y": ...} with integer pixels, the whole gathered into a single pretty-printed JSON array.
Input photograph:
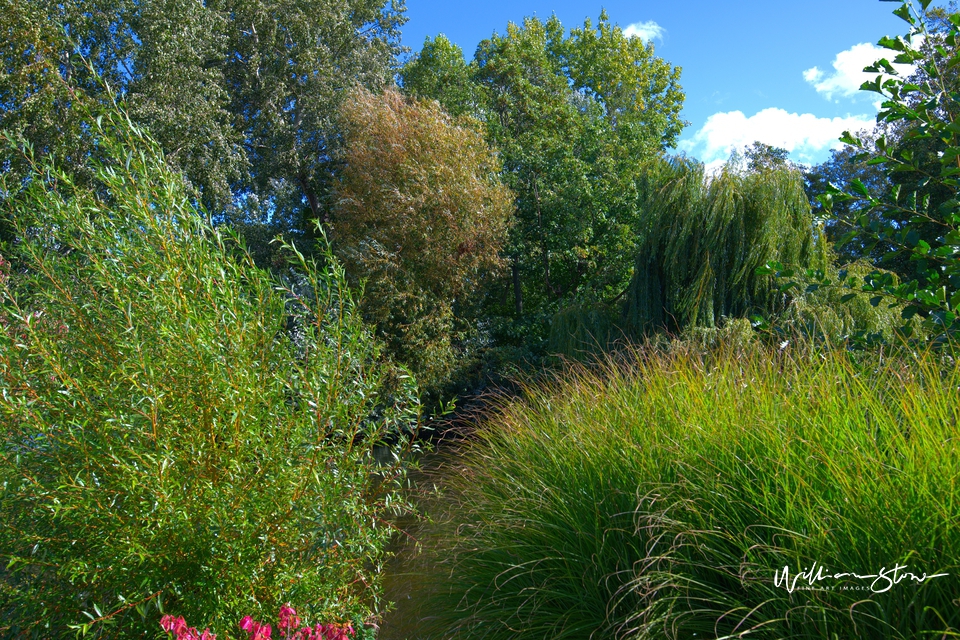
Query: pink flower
[
  {"x": 254, "y": 629},
  {"x": 177, "y": 626},
  {"x": 288, "y": 619},
  {"x": 249, "y": 625}
]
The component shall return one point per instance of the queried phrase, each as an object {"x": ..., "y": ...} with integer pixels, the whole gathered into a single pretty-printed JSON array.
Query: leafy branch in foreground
[{"x": 918, "y": 220}]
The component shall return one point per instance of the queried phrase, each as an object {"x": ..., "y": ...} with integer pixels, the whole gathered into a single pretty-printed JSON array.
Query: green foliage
[
  {"x": 439, "y": 72},
  {"x": 38, "y": 103},
  {"x": 241, "y": 94},
  {"x": 639, "y": 92},
  {"x": 182, "y": 431},
  {"x": 841, "y": 315},
  {"x": 659, "y": 499},
  {"x": 182, "y": 91},
  {"x": 421, "y": 217},
  {"x": 583, "y": 331},
  {"x": 844, "y": 166},
  {"x": 704, "y": 239},
  {"x": 574, "y": 117},
  {"x": 919, "y": 219},
  {"x": 761, "y": 157}
]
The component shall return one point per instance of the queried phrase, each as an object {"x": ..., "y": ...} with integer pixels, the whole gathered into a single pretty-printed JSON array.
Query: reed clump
[{"x": 667, "y": 497}]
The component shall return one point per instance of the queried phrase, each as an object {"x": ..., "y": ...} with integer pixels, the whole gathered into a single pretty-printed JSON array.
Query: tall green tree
[
  {"x": 574, "y": 115},
  {"x": 242, "y": 94},
  {"x": 439, "y": 72}
]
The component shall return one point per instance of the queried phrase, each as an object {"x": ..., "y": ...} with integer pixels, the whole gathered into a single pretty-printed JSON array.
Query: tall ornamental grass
[
  {"x": 182, "y": 432},
  {"x": 668, "y": 497}
]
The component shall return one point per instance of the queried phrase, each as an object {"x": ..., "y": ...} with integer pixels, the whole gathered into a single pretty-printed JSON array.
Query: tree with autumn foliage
[{"x": 420, "y": 219}]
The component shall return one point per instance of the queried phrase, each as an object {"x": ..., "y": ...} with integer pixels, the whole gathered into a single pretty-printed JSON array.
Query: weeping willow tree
[{"x": 704, "y": 239}]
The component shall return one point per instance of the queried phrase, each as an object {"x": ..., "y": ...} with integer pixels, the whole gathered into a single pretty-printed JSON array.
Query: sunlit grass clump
[{"x": 662, "y": 498}]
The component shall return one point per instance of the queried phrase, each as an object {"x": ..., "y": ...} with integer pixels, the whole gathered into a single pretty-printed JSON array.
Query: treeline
[
  {"x": 477, "y": 222},
  {"x": 492, "y": 210}
]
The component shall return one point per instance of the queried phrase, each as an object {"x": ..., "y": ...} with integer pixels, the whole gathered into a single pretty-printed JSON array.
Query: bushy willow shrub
[
  {"x": 663, "y": 499},
  {"x": 181, "y": 430},
  {"x": 705, "y": 238},
  {"x": 421, "y": 217}
]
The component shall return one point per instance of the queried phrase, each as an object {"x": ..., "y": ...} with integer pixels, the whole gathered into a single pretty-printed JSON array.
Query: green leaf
[
  {"x": 787, "y": 287},
  {"x": 908, "y": 312},
  {"x": 859, "y": 188},
  {"x": 896, "y": 44},
  {"x": 848, "y": 297},
  {"x": 875, "y": 301},
  {"x": 903, "y": 12},
  {"x": 848, "y": 138}
]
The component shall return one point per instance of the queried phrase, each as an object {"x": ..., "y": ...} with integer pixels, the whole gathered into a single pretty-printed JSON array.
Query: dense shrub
[
  {"x": 421, "y": 217},
  {"x": 662, "y": 499},
  {"x": 841, "y": 315},
  {"x": 182, "y": 432}
]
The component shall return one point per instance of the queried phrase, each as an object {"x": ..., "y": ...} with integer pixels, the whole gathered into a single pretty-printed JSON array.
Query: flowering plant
[{"x": 287, "y": 623}]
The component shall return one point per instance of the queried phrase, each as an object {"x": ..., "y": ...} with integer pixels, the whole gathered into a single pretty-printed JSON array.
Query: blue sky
[{"x": 782, "y": 72}]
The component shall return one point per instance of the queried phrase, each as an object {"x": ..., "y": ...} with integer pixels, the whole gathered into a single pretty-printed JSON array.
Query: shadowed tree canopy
[{"x": 242, "y": 94}]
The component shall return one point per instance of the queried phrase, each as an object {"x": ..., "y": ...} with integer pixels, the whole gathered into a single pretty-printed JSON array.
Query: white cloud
[
  {"x": 848, "y": 73},
  {"x": 646, "y": 31},
  {"x": 804, "y": 135}
]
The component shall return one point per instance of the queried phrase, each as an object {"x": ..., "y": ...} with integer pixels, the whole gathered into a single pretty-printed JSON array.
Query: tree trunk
[
  {"x": 544, "y": 251},
  {"x": 517, "y": 292},
  {"x": 312, "y": 200}
]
